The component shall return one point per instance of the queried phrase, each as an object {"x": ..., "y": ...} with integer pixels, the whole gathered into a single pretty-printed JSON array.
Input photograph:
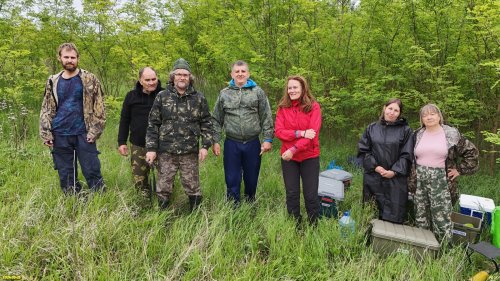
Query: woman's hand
[
  {"x": 453, "y": 174},
  {"x": 287, "y": 155},
  {"x": 380, "y": 170},
  {"x": 388, "y": 174},
  {"x": 309, "y": 134}
]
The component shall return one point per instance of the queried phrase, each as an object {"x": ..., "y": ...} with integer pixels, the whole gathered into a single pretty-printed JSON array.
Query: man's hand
[
  {"x": 216, "y": 149},
  {"x": 49, "y": 143},
  {"x": 265, "y": 147},
  {"x": 150, "y": 157},
  {"x": 287, "y": 155},
  {"x": 202, "y": 154},
  {"x": 123, "y": 149}
]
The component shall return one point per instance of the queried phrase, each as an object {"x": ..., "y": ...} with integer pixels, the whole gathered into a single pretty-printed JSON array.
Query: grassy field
[{"x": 118, "y": 236}]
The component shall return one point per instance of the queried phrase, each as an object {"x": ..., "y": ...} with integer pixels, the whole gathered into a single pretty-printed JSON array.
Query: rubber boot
[
  {"x": 163, "y": 203},
  {"x": 194, "y": 201}
]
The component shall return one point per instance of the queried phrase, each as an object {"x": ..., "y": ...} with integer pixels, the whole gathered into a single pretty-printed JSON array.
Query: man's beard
[
  {"x": 70, "y": 67},
  {"x": 182, "y": 85}
]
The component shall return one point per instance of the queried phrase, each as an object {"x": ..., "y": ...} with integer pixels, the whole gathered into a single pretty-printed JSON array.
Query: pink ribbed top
[{"x": 431, "y": 150}]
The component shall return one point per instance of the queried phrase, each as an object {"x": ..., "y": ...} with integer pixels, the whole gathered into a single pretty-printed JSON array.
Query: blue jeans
[
  {"x": 241, "y": 158},
  {"x": 66, "y": 151}
]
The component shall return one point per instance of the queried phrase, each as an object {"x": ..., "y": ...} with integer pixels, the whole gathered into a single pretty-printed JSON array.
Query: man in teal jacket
[{"x": 243, "y": 111}]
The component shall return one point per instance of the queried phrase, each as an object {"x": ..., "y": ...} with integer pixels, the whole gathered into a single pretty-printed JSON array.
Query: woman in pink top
[
  {"x": 298, "y": 122},
  {"x": 437, "y": 150}
]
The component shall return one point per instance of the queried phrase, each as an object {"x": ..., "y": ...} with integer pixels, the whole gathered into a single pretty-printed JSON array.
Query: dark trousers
[
  {"x": 308, "y": 170},
  {"x": 241, "y": 157},
  {"x": 66, "y": 151}
]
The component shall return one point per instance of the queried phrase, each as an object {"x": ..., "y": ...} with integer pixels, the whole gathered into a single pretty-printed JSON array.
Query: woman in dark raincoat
[{"x": 386, "y": 149}]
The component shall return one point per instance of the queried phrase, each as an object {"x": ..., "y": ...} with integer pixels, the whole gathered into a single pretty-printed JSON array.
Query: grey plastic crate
[
  {"x": 461, "y": 232},
  {"x": 389, "y": 238}
]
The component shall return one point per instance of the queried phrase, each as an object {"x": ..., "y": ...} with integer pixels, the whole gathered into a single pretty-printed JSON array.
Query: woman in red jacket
[{"x": 298, "y": 122}]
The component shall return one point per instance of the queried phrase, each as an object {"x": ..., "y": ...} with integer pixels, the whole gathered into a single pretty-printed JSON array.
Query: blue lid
[{"x": 346, "y": 213}]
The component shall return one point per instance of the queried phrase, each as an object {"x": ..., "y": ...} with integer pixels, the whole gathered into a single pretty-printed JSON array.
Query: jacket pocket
[
  {"x": 195, "y": 129},
  {"x": 165, "y": 131}
]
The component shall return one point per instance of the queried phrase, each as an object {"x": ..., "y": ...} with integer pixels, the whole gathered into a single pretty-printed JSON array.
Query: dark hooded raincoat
[{"x": 390, "y": 145}]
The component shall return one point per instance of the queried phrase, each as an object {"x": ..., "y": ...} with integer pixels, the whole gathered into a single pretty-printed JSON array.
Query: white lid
[{"x": 477, "y": 203}]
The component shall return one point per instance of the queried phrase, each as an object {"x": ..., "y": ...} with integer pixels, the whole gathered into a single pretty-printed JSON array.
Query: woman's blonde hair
[{"x": 430, "y": 108}]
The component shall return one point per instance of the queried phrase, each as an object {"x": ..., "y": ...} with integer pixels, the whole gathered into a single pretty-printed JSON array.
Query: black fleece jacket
[{"x": 134, "y": 115}]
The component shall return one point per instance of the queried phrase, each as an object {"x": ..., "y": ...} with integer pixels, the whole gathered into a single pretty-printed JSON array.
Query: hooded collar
[
  {"x": 295, "y": 103},
  {"x": 250, "y": 84},
  {"x": 398, "y": 122}
]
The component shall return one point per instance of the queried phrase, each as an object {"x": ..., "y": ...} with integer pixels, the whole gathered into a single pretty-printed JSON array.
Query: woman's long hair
[{"x": 306, "y": 98}]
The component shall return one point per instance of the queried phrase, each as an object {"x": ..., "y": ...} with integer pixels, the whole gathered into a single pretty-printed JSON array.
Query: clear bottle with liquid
[{"x": 347, "y": 225}]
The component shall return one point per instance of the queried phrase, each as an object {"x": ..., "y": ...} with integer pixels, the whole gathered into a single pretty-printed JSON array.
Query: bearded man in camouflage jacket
[
  {"x": 71, "y": 120},
  {"x": 178, "y": 120}
]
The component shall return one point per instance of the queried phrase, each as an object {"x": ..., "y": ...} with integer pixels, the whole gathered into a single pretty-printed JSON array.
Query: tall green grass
[{"x": 117, "y": 235}]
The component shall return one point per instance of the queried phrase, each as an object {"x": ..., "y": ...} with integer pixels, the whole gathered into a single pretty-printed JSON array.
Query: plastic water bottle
[{"x": 347, "y": 225}]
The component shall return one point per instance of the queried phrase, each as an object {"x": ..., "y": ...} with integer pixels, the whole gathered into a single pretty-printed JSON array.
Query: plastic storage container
[
  {"x": 347, "y": 225},
  {"x": 390, "y": 238},
  {"x": 476, "y": 206},
  {"x": 331, "y": 188},
  {"x": 495, "y": 227},
  {"x": 466, "y": 229},
  {"x": 338, "y": 174}
]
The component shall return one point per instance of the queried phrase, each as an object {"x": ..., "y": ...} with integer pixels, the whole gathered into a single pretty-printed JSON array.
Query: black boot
[
  {"x": 194, "y": 201},
  {"x": 162, "y": 203}
]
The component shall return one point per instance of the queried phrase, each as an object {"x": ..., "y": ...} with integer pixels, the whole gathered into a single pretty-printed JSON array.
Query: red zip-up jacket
[{"x": 291, "y": 119}]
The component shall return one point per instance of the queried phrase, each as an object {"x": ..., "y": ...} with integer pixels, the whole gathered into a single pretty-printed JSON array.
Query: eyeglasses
[{"x": 185, "y": 75}]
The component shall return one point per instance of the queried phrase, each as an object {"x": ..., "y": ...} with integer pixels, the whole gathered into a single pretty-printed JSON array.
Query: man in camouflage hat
[
  {"x": 71, "y": 120},
  {"x": 178, "y": 120},
  {"x": 134, "y": 119}
]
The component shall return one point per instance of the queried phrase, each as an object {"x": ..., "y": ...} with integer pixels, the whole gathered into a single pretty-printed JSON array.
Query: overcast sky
[{"x": 78, "y": 5}]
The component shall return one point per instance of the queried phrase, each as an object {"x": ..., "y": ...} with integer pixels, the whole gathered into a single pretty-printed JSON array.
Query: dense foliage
[{"x": 355, "y": 55}]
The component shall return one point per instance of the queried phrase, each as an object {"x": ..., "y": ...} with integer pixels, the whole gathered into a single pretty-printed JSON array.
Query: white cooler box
[
  {"x": 476, "y": 206},
  {"x": 332, "y": 183}
]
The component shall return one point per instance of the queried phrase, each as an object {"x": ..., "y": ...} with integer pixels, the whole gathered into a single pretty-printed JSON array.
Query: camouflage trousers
[
  {"x": 433, "y": 202},
  {"x": 169, "y": 164},
  {"x": 140, "y": 168}
]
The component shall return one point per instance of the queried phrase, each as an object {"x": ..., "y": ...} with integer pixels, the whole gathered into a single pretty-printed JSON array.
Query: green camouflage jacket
[
  {"x": 244, "y": 113},
  {"x": 462, "y": 155},
  {"x": 94, "y": 113},
  {"x": 177, "y": 122}
]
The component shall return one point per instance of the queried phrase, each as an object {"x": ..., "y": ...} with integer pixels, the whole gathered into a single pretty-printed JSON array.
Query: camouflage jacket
[
  {"x": 177, "y": 122},
  {"x": 94, "y": 113},
  {"x": 462, "y": 155},
  {"x": 244, "y": 113}
]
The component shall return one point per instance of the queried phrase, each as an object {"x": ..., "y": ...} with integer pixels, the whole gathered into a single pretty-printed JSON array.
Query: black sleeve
[
  {"x": 365, "y": 151},
  {"x": 403, "y": 164},
  {"x": 124, "y": 127}
]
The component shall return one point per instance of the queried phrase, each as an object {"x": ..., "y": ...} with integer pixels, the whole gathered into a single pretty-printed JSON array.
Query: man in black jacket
[{"x": 134, "y": 119}]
